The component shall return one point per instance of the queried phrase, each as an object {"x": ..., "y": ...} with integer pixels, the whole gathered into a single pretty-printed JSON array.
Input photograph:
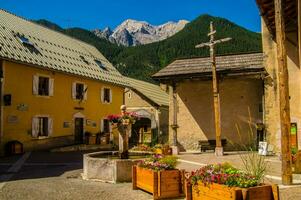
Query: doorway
[{"x": 79, "y": 130}]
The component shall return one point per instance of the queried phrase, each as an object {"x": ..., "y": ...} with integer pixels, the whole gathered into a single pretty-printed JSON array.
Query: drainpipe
[
  {"x": 1, "y": 99},
  {"x": 174, "y": 125}
]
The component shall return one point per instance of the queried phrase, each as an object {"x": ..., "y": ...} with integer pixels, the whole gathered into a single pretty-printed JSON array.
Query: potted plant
[
  {"x": 223, "y": 181},
  {"x": 162, "y": 149},
  {"x": 158, "y": 176},
  {"x": 142, "y": 147}
]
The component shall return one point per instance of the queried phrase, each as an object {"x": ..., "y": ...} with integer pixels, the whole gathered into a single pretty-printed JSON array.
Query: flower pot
[
  {"x": 215, "y": 191},
  {"x": 162, "y": 184}
]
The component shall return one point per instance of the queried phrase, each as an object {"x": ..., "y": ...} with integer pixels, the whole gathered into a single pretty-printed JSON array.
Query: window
[
  {"x": 84, "y": 60},
  {"x": 24, "y": 40},
  {"x": 79, "y": 91},
  {"x": 105, "y": 126},
  {"x": 101, "y": 65},
  {"x": 41, "y": 126},
  {"x": 129, "y": 95},
  {"x": 43, "y": 85},
  {"x": 106, "y": 95}
]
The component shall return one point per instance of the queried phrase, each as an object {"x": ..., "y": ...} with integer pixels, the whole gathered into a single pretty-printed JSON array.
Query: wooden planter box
[
  {"x": 162, "y": 184},
  {"x": 216, "y": 191}
]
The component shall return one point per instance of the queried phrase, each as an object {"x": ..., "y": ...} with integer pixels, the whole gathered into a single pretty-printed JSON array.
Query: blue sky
[{"x": 92, "y": 14}]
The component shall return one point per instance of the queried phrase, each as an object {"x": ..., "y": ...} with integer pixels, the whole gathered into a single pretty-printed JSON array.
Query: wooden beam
[
  {"x": 299, "y": 30},
  {"x": 284, "y": 103}
]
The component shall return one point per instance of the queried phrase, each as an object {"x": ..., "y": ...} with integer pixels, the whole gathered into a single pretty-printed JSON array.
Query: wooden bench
[{"x": 210, "y": 144}]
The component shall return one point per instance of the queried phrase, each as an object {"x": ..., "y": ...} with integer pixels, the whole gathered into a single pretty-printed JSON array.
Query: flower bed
[
  {"x": 158, "y": 176},
  {"x": 226, "y": 182}
]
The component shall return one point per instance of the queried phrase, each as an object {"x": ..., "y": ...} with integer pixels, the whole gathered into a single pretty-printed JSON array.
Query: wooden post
[
  {"x": 299, "y": 30},
  {"x": 174, "y": 125},
  {"x": 216, "y": 97},
  {"x": 215, "y": 86},
  {"x": 134, "y": 177},
  {"x": 283, "y": 94},
  {"x": 155, "y": 184}
]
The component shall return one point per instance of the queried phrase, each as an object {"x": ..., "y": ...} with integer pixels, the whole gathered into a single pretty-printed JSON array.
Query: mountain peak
[{"x": 140, "y": 32}]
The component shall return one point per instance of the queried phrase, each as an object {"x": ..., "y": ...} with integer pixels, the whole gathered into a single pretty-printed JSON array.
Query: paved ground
[{"x": 45, "y": 175}]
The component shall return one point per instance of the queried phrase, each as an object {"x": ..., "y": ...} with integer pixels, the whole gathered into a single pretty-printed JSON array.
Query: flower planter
[
  {"x": 216, "y": 191},
  {"x": 162, "y": 184}
]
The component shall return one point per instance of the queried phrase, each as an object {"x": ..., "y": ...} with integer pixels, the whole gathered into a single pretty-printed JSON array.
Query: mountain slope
[{"x": 142, "y": 61}]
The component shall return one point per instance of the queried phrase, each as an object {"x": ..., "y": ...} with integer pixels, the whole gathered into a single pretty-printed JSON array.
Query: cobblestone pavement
[{"x": 57, "y": 176}]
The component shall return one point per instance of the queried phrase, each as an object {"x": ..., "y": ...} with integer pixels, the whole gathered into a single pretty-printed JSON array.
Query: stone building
[
  {"x": 151, "y": 103},
  {"x": 191, "y": 116},
  {"x": 292, "y": 23}
]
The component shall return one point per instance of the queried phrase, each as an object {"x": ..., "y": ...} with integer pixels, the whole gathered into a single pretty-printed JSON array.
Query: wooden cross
[{"x": 216, "y": 98}]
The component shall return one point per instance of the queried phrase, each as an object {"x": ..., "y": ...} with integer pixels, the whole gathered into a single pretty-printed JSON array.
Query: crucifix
[{"x": 216, "y": 98}]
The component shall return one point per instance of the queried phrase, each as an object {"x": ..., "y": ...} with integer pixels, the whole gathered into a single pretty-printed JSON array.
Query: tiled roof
[
  {"x": 202, "y": 66},
  {"x": 52, "y": 50},
  {"x": 151, "y": 91}
]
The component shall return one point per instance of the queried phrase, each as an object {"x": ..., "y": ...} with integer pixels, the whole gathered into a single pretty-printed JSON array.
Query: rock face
[{"x": 132, "y": 32}]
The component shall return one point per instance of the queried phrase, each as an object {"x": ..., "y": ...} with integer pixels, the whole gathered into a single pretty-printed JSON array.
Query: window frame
[
  {"x": 103, "y": 96},
  {"x": 46, "y": 94},
  {"x": 77, "y": 95},
  {"x": 49, "y": 127}
]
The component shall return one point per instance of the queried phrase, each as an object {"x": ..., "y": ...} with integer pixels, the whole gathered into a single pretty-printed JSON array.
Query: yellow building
[{"x": 55, "y": 88}]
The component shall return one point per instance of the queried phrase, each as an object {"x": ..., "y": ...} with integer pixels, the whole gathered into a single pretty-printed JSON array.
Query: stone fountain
[{"x": 112, "y": 166}]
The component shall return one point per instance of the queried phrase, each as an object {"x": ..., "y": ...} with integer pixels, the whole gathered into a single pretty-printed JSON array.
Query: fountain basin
[{"x": 107, "y": 167}]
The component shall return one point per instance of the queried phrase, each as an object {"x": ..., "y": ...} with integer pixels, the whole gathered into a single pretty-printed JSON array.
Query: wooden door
[{"x": 79, "y": 130}]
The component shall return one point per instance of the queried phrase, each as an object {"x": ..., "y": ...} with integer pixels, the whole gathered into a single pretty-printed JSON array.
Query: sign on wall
[
  {"x": 12, "y": 119},
  {"x": 67, "y": 124},
  {"x": 22, "y": 107}
]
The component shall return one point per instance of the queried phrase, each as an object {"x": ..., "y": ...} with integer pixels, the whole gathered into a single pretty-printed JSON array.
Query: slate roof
[
  {"x": 52, "y": 50},
  {"x": 230, "y": 64},
  {"x": 151, "y": 91}
]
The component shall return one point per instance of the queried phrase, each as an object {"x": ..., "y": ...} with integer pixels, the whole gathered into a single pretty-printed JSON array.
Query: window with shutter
[
  {"x": 79, "y": 91},
  {"x": 41, "y": 126},
  {"x": 43, "y": 86},
  {"x": 107, "y": 95}
]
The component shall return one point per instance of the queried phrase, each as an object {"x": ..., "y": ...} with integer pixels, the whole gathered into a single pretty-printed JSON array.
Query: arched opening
[
  {"x": 144, "y": 130},
  {"x": 141, "y": 132}
]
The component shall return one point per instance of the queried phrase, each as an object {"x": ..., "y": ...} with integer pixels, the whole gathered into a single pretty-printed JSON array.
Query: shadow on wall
[{"x": 196, "y": 118}]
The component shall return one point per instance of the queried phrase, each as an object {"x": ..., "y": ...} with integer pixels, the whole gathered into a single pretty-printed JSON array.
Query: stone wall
[
  {"x": 240, "y": 98},
  {"x": 271, "y": 110}
]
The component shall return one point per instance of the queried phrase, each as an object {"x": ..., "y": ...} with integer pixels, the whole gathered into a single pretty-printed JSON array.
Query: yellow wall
[{"x": 18, "y": 81}]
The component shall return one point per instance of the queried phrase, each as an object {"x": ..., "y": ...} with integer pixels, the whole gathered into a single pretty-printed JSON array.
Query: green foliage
[
  {"x": 143, "y": 61},
  {"x": 224, "y": 174},
  {"x": 159, "y": 162}
]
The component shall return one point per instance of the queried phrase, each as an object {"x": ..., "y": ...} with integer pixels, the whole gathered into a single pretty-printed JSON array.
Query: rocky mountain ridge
[{"x": 133, "y": 33}]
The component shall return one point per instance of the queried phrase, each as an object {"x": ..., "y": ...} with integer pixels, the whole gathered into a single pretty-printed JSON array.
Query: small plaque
[
  {"x": 22, "y": 107},
  {"x": 12, "y": 119},
  {"x": 66, "y": 124}
]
